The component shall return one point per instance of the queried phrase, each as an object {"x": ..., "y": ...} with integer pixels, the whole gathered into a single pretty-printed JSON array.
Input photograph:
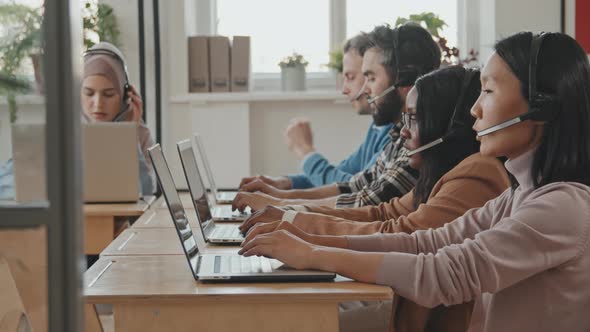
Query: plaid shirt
[{"x": 391, "y": 176}]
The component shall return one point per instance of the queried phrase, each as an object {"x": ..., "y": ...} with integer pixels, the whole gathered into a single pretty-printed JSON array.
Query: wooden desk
[
  {"x": 159, "y": 293},
  {"x": 136, "y": 241},
  {"x": 145, "y": 241},
  {"x": 99, "y": 222},
  {"x": 25, "y": 251},
  {"x": 160, "y": 218}
]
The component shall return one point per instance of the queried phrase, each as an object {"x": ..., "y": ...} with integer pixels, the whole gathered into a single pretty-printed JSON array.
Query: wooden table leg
[
  {"x": 91, "y": 320},
  {"x": 98, "y": 234},
  {"x": 218, "y": 316}
]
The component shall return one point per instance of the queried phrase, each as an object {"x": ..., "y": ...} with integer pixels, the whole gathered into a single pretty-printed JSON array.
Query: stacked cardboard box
[{"x": 217, "y": 66}]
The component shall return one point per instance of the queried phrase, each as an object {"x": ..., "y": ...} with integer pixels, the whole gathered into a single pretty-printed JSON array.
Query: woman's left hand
[
  {"x": 281, "y": 245},
  {"x": 135, "y": 105}
]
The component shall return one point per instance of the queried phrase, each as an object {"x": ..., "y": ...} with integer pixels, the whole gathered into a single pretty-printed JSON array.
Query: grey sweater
[{"x": 524, "y": 257}]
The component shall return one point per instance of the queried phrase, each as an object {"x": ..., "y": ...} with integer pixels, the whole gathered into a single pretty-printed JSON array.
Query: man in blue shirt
[{"x": 317, "y": 170}]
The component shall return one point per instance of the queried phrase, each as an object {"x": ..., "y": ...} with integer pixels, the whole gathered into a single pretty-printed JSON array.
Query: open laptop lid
[
  {"x": 179, "y": 218},
  {"x": 195, "y": 184},
  {"x": 205, "y": 161},
  {"x": 111, "y": 162}
]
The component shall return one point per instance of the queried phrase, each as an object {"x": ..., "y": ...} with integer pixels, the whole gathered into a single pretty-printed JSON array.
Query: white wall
[
  {"x": 502, "y": 18},
  {"x": 244, "y": 138}
]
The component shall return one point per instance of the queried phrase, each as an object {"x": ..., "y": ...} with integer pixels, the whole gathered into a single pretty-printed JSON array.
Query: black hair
[
  {"x": 417, "y": 48},
  {"x": 360, "y": 43},
  {"x": 438, "y": 97},
  {"x": 563, "y": 71}
]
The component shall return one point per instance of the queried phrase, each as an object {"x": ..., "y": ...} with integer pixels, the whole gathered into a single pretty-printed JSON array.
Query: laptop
[
  {"x": 218, "y": 212},
  {"x": 212, "y": 232},
  {"x": 220, "y": 267},
  {"x": 221, "y": 197},
  {"x": 110, "y": 161}
]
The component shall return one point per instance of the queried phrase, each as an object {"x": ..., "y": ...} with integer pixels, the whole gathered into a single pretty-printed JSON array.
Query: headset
[
  {"x": 405, "y": 75},
  {"x": 457, "y": 125},
  {"x": 126, "y": 87},
  {"x": 542, "y": 106}
]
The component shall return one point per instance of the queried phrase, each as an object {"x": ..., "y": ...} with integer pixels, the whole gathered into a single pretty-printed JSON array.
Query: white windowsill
[{"x": 259, "y": 96}]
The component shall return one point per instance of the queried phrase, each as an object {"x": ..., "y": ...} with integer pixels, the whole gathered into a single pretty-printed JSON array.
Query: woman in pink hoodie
[{"x": 524, "y": 257}]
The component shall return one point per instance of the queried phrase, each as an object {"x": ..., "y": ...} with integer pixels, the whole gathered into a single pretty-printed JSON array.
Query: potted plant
[
  {"x": 434, "y": 24},
  {"x": 21, "y": 39},
  {"x": 335, "y": 65},
  {"x": 100, "y": 24},
  {"x": 293, "y": 72}
]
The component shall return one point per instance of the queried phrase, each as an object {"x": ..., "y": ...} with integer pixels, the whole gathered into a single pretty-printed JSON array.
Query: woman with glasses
[
  {"x": 524, "y": 257},
  {"x": 453, "y": 178}
]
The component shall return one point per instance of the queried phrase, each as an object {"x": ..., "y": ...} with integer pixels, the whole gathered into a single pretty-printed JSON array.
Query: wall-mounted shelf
[
  {"x": 25, "y": 100},
  {"x": 259, "y": 96}
]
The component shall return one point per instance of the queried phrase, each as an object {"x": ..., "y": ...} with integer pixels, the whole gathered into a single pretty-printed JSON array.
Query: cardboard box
[
  {"x": 219, "y": 63},
  {"x": 198, "y": 64},
  {"x": 240, "y": 64}
]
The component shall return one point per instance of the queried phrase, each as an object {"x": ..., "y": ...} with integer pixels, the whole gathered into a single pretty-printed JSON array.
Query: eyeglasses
[{"x": 409, "y": 119}]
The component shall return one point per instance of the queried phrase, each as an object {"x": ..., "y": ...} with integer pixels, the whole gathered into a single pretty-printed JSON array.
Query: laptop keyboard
[
  {"x": 226, "y": 196},
  {"x": 241, "y": 264},
  {"x": 226, "y": 232}
]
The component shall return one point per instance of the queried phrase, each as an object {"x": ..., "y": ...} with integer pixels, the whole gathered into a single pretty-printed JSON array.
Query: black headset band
[
  {"x": 536, "y": 43},
  {"x": 469, "y": 75},
  {"x": 405, "y": 75}
]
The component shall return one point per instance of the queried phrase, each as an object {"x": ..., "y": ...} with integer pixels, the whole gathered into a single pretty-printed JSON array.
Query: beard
[{"x": 388, "y": 109}]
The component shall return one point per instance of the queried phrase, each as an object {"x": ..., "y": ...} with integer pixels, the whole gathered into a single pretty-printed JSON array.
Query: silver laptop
[
  {"x": 218, "y": 212},
  {"x": 221, "y": 197},
  {"x": 220, "y": 267},
  {"x": 110, "y": 161},
  {"x": 213, "y": 232}
]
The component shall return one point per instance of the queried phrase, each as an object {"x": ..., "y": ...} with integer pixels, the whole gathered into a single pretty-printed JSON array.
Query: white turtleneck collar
[{"x": 520, "y": 167}]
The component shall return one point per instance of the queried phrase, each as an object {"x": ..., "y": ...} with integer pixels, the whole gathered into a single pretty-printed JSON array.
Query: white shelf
[
  {"x": 259, "y": 96},
  {"x": 25, "y": 100}
]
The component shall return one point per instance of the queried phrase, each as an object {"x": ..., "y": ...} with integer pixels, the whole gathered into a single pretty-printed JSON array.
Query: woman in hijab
[{"x": 107, "y": 96}]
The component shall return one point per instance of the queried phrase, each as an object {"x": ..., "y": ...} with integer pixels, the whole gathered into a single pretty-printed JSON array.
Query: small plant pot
[{"x": 293, "y": 78}]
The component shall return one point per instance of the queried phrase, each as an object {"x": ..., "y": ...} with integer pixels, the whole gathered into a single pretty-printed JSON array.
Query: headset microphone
[
  {"x": 456, "y": 125},
  {"x": 542, "y": 106},
  {"x": 359, "y": 94},
  {"x": 405, "y": 75}
]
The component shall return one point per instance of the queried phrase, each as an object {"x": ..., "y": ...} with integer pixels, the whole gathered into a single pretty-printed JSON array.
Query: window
[
  {"x": 364, "y": 15},
  {"x": 277, "y": 29},
  {"x": 312, "y": 28}
]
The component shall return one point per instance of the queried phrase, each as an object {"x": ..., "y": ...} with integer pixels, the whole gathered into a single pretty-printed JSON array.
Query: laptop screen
[
  {"x": 205, "y": 161},
  {"x": 195, "y": 182},
  {"x": 175, "y": 207}
]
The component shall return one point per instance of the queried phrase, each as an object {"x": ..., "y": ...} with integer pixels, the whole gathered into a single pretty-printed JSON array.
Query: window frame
[
  {"x": 61, "y": 214},
  {"x": 205, "y": 24}
]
